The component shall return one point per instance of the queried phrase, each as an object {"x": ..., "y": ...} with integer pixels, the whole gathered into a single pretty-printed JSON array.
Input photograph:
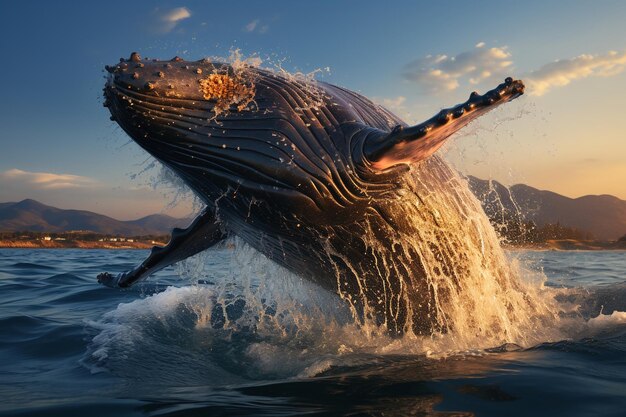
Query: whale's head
[
  {"x": 182, "y": 112},
  {"x": 223, "y": 127},
  {"x": 170, "y": 102}
]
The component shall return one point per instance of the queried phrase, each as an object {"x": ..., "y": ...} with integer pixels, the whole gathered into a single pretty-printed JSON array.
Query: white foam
[{"x": 604, "y": 323}]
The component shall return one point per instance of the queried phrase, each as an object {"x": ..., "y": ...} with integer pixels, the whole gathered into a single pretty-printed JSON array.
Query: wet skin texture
[{"x": 302, "y": 171}]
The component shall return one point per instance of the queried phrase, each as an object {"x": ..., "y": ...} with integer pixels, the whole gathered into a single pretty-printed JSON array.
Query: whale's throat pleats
[{"x": 333, "y": 187}]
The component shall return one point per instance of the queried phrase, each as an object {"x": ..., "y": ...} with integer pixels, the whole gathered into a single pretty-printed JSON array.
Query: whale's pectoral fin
[
  {"x": 415, "y": 143},
  {"x": 202, "y": 233}
]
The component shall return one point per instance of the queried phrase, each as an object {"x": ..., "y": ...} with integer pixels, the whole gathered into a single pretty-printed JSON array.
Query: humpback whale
[{"x": 314, "y": 176}]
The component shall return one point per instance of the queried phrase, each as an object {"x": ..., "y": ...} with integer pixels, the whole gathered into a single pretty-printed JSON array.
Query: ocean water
[{"x": 229, "y": 333}]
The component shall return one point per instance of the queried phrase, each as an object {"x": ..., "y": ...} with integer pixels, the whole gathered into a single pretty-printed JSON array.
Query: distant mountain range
[
  {"x": 603, "y": 216},
  {"x": 31, "y": 215}
]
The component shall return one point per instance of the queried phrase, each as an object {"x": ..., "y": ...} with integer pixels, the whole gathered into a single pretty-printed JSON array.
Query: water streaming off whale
[{"x": 314, "y": 176}]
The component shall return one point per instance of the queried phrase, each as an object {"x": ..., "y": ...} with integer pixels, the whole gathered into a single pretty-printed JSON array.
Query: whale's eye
[{"x": 227, "y": 91}]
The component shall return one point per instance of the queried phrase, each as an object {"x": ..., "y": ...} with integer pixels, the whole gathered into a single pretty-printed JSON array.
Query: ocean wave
[{"x": 256, "y": 321}]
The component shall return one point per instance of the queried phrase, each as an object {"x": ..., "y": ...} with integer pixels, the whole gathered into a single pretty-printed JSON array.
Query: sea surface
[{"x": 228, "y": 334}]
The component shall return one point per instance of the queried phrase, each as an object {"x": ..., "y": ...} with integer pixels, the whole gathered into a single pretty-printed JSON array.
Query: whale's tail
[{"x": 412, "y": 144}]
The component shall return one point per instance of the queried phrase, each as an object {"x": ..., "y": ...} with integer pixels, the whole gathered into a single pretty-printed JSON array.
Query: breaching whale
[{"x": 312, "y": 175}]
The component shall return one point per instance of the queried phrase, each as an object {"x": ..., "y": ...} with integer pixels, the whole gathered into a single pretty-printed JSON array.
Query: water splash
[
  {"x": 479, "y": 297},
  {"x": 242, "y": 66},
  {"x": 276, "y": 324},
  {"x": 253, "y": 320},
  {"x": 250, "y": 319}
]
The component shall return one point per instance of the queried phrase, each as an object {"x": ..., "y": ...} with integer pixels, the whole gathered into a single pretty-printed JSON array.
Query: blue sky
[{"x": 566, "y": 135}]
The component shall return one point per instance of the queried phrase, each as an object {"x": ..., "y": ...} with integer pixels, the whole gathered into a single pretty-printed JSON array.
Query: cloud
[
  {"x": 171, "y": 18},
  {"x": 255, "y": 26},
  {"x": 443, "y": 73},
  {"x": 394, "y": 104},
  {"x": 562, "y": 72},
  {"x": 435, "y": 73},
  {"x": 46, "y": 180},
  {"x": 252, "y": 25}
]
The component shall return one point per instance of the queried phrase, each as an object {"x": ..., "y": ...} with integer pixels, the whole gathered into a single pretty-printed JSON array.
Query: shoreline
[
  {"x": 571, "y": 245},
  {"x": 550, "y": 245},
  {"x": 75, "y": 244}
]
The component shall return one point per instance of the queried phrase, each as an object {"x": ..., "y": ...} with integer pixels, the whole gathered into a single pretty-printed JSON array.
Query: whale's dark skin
[{"x": 297, "y": 170}]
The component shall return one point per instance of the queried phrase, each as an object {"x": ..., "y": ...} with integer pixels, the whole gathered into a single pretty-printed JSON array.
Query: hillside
[
  {"x": 601, "y": 216},
  {"x": 604, "y": 216},
  {"x": 31, "y": 215}
]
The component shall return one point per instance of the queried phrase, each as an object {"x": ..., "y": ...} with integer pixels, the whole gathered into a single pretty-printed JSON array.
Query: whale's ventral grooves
[{"x": 312, "y": 175}]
